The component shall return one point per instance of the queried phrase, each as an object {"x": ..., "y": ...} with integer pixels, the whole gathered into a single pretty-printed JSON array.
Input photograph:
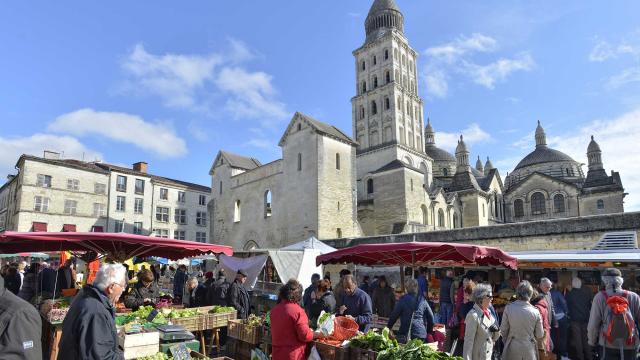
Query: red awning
[
  {"x": 39, "y": 226},
  {"x": 420, "y": 254},
  {"x": 68, "y": 228},
  {"x": 117, "y": 246}
]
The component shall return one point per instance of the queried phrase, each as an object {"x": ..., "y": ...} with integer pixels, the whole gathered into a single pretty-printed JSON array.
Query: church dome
[
  {"x": 438, "y": 154},
  {"x": 593, "y": 146},
  {"x": 383, "y": 16},
  {"x": 543, "y": 155}
]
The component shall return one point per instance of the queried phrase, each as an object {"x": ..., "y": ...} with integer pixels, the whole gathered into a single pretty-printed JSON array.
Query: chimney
[
  {"x": 51, "y": 155},
  {"x": 140, "y": 166}
]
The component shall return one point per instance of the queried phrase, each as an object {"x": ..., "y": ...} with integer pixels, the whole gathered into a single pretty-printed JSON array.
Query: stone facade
[
  {"x": 53, "y": 194},
  {"x": 309, "y": 191}
]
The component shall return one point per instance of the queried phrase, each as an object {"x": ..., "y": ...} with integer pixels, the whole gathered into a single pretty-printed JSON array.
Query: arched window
[
  {"x": 455, "y": 221},
  {"x": 267, "y": 204},
  {"x": 425, "y": 215},
  {"x": 387, "y": 103},
  {"x": 425, "y": 172},
  {"x": 299, "y": 126},
  {"x": 236, "y": 211},
  {"x": 399, "y": 102},
  {"x": 339, "y": 233},
  {"x": 483, "y": 213},
  {"x": 408, "y": 160},
  {"x": 361, "y": 112},
  {"x": 395, "y": 54},
  {"x": 364, "y": 66},
  {"x": 600, "y": 204},
  {"x": 404, "y": 60},
  {"x": 375, "y": 60},
  {"x": 538, "y": 204},
  {"x": 440, "y": 218},
  {"x": 364, "y": 86},
  {"x": 518, "y": 208},
  {"x": 375, "y": 82},
  {"x": 411, "y": 181},
  {"x": 299, "y": 162},
  {"x": 404, "y": 81},
  {"x": 337, "y": 161},
  {"x": 558, "y": 203},
  {"x": 370, "y": 186},
  {"x": 386, "y": 54},
  {"x": 387, "y": 77},
  {"x": 220, "y": 187},
  {"x": 397, "y": 77},
  {"x": 445, "y": 172},
  {"x": 408, "y": 107},
  {"x": 374, "y": 107},
  {"x": 402, "y": 135}
]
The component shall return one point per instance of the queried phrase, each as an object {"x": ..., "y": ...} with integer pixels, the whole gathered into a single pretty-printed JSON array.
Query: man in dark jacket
[
  {"x": 89, "y": 329},
  {"x": 218, "y": 292},
  {"x": 178, "y": 282},
  {"x": 20, "y": 328},
  {"x": 579, "y": 306},
  {"x": 356, "y": 304},
  {"x": 306, "y": 297},
  {"x": 446, "y": 297},
  {"x": 239, "y": 297},
  {"x": 197, "y": 293}
]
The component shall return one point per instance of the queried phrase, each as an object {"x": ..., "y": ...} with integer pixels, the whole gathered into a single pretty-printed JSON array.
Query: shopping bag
[
  {"x": 314, "y": 354},
  {"x": 327, "y": 324}
]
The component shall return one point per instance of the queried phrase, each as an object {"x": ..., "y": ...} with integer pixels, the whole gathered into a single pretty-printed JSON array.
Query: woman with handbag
[
  {"x": 544, "y": 344},
  {"x": 481, "y": 329},
  {"x": 521, "y": 326}
]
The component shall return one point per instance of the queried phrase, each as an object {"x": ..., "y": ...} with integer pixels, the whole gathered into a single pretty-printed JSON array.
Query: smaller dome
[
  {"x": 479, "y": 164},
  {"x": 462, "y": 147},
  {"x": 488, "y": 165},
  {"x": 593, "y": 146},
  {"x": 438, "y": 154},
  {"x": 428, "y": 128},
  {"x": 541, "y": 137},
  {"x": 543, "y": 155}
]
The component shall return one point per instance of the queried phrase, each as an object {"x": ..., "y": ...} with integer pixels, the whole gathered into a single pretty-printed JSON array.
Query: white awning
[{"x": 626, "y": 256}]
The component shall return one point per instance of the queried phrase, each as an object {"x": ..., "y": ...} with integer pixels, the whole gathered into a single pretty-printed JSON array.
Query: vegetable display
[
  {"x": 414, "y": 350},
  {"x": 323, "y": 317},
  {"x": 374, "y": 340},
  {"x": 162, "y": 356},
  {"x": 254, "y": 321},
  {"x": 221, "y": 309}
]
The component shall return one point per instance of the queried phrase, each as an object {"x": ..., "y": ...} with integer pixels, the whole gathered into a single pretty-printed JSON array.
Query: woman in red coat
[
  {"x": 543, "y": 308},
  {"x": 290, "y": 331}
]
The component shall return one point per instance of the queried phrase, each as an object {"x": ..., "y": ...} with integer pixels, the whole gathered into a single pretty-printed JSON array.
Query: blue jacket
[
  {"x": 178, "y": 283},
  {"x": 409, "y": 308},
  {"x": 423, "y": 285},
  {"x": 445, "y": 290},
  {"x": 559, "y": 304},
  {"x": 359, "y": 306}
]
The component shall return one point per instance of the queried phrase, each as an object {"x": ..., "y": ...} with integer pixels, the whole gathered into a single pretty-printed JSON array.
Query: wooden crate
[
  {"x": 237, "y": 329},
  {"x": 362, "y": 354},
  {"x": 139, "y": 345},
  {"x": 192, "y": 323},
  {"x": 330, "y": 352},
  {"x": 213, "y": 321},
  {"x": 239, "y": 350}
]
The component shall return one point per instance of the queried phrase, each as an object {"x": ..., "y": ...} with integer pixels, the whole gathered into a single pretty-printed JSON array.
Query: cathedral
[{"x": 390, "y": 177}]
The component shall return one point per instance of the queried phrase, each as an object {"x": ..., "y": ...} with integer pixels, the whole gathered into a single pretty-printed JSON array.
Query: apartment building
[{"x": 54, "y": 194}]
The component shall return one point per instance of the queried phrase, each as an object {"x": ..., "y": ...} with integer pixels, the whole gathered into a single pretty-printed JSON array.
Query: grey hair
[
  {"x": 576, "y": 283},
  {"x": 524, "y": 291},
  {"x": 348, "y": 279},
  {"x": 612, "y": 282},
  {"x": 480, "y": 292},
  {"x": 192, "y": 279},
  {"x": 110, "y": 274},
  {"x": 545, "y": 280},
  {"x": 411, "y": 285}
]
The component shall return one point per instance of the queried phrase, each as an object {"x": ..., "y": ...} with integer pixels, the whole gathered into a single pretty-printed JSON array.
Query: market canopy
[
  {"x": 420, "y": 254},
  {"x": 116, "y": 246}
]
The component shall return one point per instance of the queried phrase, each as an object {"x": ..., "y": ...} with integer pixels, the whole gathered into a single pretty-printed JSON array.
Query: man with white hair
[
  {"x": 613, "y": 322},
  {"x": 89, "y": 329},
  {"x": 579, "y": 305},
  {"x": 545, "y": 290}
]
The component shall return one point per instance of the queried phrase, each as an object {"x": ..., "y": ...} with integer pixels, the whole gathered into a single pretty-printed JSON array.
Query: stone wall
[{"x": 561, "y": 234}]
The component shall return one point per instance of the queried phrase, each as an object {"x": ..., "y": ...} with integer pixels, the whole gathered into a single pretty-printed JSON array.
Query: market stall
[{"x": 120, "y": 247}]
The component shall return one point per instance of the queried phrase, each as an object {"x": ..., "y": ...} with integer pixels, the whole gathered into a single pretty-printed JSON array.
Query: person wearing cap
[
  {"x": 598, "y": 319},
  {"x": 239, "y": 297}
]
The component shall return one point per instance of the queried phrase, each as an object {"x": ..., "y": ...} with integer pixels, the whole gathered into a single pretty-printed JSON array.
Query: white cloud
[
  {"x": 253, "y": 94},
  {"x": 456, "y": 56},
  {"x": 627, "y": 76},
  {"x": 156, "y": 138},
  {"x": 488, "y": 75},
  {"x": 202, "y": 83},
  {"x": 69, "y": 147},
  {"x": 473, "y": 134},
  {"x": 603, "y": 50}
]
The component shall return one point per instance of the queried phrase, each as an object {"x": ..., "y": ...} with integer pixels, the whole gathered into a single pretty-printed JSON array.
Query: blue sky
[{"x": 170, "y": 83}]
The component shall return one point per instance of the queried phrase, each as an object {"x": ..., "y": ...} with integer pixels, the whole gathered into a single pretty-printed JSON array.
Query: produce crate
[
  {"x": 362, "y": 354},
  {"x": 192, "y": 323},
  {"x": 219, "y": 319},
  {"x": 139, "y": 345},
  {"x": 237, "y": 329},
  {"x": 239, "y": 349},
  {"x": 330, "y": 352},
  {"x": 193, "y": 345}
]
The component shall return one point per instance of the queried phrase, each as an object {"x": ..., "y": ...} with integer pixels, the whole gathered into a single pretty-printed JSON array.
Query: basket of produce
[
  {"x": 219, "y": 316},
  {"x": 414, "y": 350},
  {"x": 331, "y": 351},
  {"x": 366, "y": 346},
  {"x": 54, "y": 310},
  {"x": 190, "y": 319},
  {"x": 344, "y": 328},
  {"x": 249, "y": 330}
]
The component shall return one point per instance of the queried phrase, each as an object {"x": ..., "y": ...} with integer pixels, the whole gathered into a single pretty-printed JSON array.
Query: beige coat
[
  {"x": 478, "y": 340},
  {"x": 521, "y": 326}
]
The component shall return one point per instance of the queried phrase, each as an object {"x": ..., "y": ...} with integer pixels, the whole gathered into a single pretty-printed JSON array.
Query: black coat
[
  {"x": 239, "y": 298},
  {"x": 326, "y": 303},
  {"x": 579, "y": 304},
  {"x": 89, "y": 329},
  {"x": 138, "y": 293},
  {"x": 199, "y": 298},
  {"x": 20, "y": 328},
  {"x": 12, "y": 282},
  {"x": 219, "y": 291}
]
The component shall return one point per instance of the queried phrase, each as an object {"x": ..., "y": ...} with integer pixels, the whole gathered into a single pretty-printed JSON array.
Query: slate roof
[
  {"x": 381, "y": 5},
  {"x": 464, "y": 181},
  {"x": 239, "y": 161},
  {"x": 543, "y": 154},
  {"x": 395, "y": 164},
  {"x": 599, "y": 178},
  {"x": 326, "y": 129},
  {"x": 162, "y": 179},
  {"x": 72, "y": 163}
]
